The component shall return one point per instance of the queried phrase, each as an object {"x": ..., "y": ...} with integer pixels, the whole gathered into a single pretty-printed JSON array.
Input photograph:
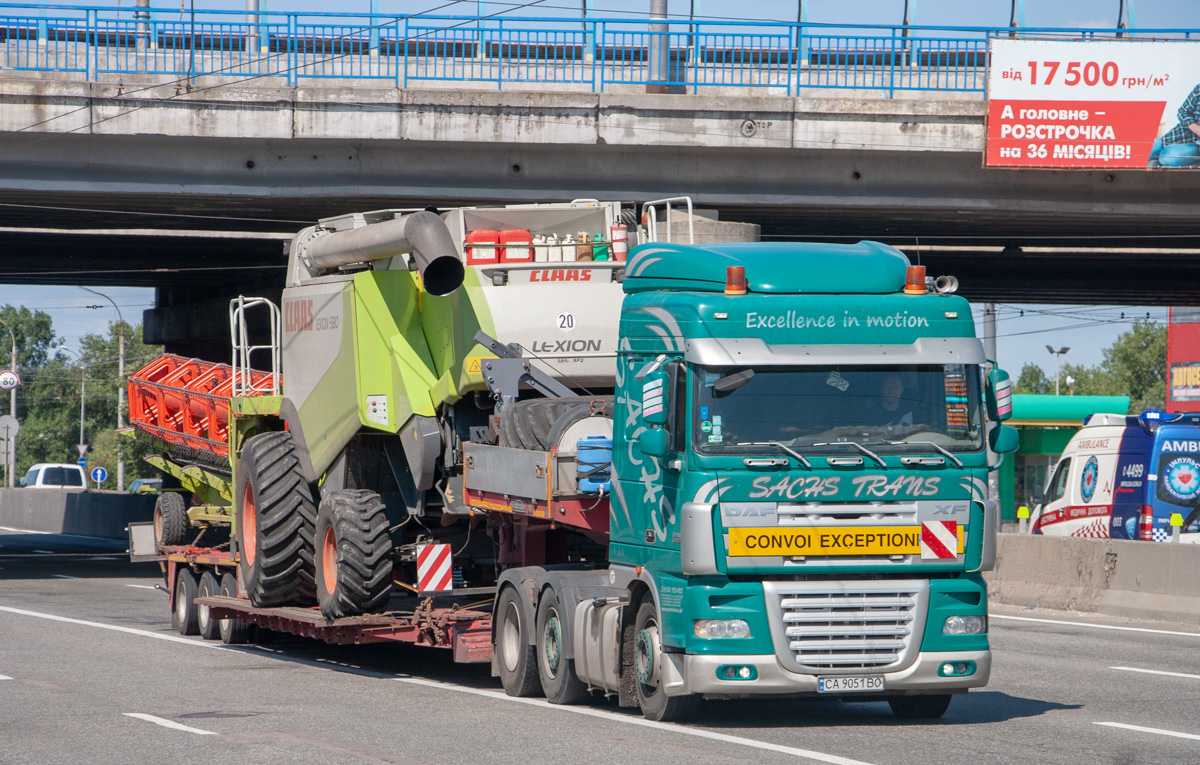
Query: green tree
[
  {"x": 1033, "y": 380},
  {"x": 1137, "y": 363}
]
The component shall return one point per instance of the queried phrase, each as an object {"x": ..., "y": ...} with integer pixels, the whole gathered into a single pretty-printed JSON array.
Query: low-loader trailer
[{"x": 702, "y": 470}]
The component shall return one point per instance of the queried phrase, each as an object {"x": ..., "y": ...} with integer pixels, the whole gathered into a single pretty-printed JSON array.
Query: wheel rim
[
  {"x": 645, "y": 649},
  {"x": 552, "y": 644},
  {"x": 202, "y": 615},
  {"x": 329, "y": 560},
  {"x": 249, "y": 526},
  {"x": 180, "y": 605},
  {"x": 510, "y": 637},
  {"x": 158, "y": 525}
]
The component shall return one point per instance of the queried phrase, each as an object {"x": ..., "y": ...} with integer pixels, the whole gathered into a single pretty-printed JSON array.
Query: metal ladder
[{"x": 243, "y": 351}]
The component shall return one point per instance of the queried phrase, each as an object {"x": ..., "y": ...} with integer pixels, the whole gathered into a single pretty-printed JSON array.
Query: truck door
[
  {"x": 1130, "y": 493},
  {"x": 1051, "y": 514}
]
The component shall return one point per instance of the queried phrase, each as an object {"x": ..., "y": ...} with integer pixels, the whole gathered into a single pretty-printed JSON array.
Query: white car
[{"x": 45, "y": 475}]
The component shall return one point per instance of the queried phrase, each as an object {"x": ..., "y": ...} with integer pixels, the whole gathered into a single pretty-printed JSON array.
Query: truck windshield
[{"x": 891, "y": 409}]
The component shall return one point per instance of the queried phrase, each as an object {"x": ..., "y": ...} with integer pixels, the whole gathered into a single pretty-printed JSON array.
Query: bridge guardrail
[{"x": 594, "y": 53}]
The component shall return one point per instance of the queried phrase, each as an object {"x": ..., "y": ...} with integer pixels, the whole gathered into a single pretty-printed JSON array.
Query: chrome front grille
[
  {"x": 849, "y": 625},
  {"x": 867, "y": 513}
]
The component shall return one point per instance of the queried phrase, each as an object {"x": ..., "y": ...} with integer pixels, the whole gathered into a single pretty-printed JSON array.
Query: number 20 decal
[{"x": 565, "y": 322}]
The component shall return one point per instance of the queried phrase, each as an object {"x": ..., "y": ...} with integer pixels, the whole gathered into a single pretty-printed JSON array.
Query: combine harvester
[{"x": 658, "y": 479}]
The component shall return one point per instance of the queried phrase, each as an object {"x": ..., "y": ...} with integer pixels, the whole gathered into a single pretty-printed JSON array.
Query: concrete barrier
[
  {"x": 86, "y": 513},
  {"x": 1148, "y": 580}
]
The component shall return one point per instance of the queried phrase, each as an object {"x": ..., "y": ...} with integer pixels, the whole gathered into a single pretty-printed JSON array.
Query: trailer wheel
[
  {"x": 923, "y": 707},
  {"x": 556, "y": 671},
  {"x": 275, "y": 523},
  {"x": 171, "y": 521},
  {"x": 647, "y": 656},
  {"x": 233, "y": 632},
  {"x": 206, "y": 625},
  {"x": 515, "y": 657},
  {"x": 354, "y": 554},
  {"x": 185, "y": 617}
]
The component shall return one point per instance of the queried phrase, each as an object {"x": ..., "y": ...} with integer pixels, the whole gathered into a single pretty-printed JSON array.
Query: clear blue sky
[{"x": 1021, "y": 338}]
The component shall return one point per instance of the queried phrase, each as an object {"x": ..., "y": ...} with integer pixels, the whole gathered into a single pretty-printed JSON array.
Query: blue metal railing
[{"x": 691, "y": 56}]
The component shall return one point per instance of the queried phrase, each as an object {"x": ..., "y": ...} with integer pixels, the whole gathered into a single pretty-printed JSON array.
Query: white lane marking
[
  {"x": 142, "y": 586},
  {"x": 642, "y": 722},
  {"x": 1094, "y": 626},
  {"x": 5, "y": 677},
  {"x": 43, "y": 552},
  {"x": 628, "y": 720},
  {"x": 1159, "y": 731},
  {"x": 169, "y": 723},
  {"x": 62, "y": 576},
  {"x": 22, "y": 531},
  {"x": 114, "y": 628},
  {"x": 1157, "y": 672}
]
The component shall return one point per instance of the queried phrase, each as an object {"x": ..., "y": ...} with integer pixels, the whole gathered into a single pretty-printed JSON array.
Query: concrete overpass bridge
[{"x": 189, "y": 180}]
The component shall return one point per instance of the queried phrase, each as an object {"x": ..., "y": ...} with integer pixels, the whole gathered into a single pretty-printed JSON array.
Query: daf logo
[
  {"x": 949, "y": 509},
  {"x": 748, "y": 511}
]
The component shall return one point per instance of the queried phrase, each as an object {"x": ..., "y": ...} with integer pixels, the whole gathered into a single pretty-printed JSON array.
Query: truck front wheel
[
  {"x": 647, "y": 659},
  {"x": 275, "y": 523},
  {"x": 556, "y": 671},
  {"x": 925, "y": 707},
  {"x": 354, "y": 554},
  {"x": 515, "y": 657}
]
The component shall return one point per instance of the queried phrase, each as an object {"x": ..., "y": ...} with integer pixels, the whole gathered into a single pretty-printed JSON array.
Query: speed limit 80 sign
[{"x": 9, "y": 380}]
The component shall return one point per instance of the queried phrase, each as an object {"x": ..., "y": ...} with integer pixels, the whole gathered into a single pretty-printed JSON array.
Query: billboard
[
  {"x": 1082, "y": 104},
  {"x": 1183, "y": 360}
]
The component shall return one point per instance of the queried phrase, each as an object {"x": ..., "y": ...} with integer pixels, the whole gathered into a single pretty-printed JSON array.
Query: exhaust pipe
[{"x": 422, "y": 235}]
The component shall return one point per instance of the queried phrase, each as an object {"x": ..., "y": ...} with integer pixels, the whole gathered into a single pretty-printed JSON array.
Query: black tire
[
  {"x": 655, "y": 703},
  {"x": 924, "y": 707},
  {"x": 206, "y": 625},
  {"x": 171, "y": 522},
  {"x": 515, "y": 657},
  {"x": 232, "y": 631},
  {"x": 529, "y": 424},
  {"x": 276, "y": 522},
  {"x": 555, "y": 670},
  {"x": 184, "y": 616},
  {"x": 354, "y": 554},
  {"x": 573, "y": 415}
]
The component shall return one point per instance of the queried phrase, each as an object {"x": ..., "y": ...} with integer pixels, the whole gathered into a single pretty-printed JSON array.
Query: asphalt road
[{"x": 91, "y": 672}]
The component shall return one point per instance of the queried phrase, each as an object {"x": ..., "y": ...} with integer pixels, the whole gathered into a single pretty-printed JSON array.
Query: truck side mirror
[
  {"x": 654, "y": 442},
  {"x": 655, "y": 405},
  {"x": 999, "y": 397},
  {"x": 1004, "y": 440}
]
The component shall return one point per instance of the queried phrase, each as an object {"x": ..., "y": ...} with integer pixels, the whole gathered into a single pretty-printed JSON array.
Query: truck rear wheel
[
  {"x": 556, "y": 671},
  {"x": 233, "y": 632},
  {"x": 647, "y": 658},
  {"x": 354, "y": 554},
  {"x": 171, "y": 522},
  {"x": 185, "y": 617},
  {"x": 275, "y": 525},
  {"x": 206, "y": 625},
  {"x": 515, "y": 657},
  {"x": 924, "y": 707}
]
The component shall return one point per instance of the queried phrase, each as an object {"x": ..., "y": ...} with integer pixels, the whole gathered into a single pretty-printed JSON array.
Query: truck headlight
[
  {"x": 722, "y": 628},
  {"x": 965, "y": 625}
]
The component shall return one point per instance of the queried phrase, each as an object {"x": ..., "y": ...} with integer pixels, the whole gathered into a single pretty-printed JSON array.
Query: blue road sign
[
  {"x": 82, "y": 462},
  {"x": 99, "y": 474}
]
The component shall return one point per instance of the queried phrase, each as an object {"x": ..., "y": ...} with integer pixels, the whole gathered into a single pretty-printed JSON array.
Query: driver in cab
[{"x": 890, "y": 410}]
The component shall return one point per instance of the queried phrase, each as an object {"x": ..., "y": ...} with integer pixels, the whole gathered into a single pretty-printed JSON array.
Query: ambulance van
[{"x": 1122, "y": 477}]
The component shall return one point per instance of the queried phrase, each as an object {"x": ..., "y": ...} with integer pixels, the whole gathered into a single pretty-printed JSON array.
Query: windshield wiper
[
  {"x": 782, "y": 447},
  {"x": 858, "y": 446},
  {"x": 949, "y": 455}
]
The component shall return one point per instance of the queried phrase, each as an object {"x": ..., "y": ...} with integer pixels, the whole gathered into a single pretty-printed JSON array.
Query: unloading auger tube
[{"x": 423, "y": 235}]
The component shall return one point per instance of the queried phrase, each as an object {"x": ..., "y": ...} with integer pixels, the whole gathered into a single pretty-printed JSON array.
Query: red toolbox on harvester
[
  {"x": 516, "y": 246},
  {"x": 483, "y": 247}
]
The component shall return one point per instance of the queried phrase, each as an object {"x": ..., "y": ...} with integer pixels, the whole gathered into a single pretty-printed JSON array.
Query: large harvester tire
[
  {"x": 529, "y": 424},
  {"x": 171, "y": 521},
  {"x": 276, "y": 521},
  {"x": 353, "y": 555}
]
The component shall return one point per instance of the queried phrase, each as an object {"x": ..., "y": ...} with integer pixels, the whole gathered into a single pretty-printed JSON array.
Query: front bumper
[{"x": 689, "y": 673}]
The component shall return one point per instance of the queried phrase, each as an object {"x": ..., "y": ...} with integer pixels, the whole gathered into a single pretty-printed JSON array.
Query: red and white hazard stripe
[
  {"x": 939, "y": 540},
  {"x": 434, "y": 571}
]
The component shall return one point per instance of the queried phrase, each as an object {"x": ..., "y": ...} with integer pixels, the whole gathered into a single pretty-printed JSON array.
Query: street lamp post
[
  {"x": 11, "y": 468},
  {"x": 82, "y": 393},
  {"x": 120, "y": 385},
  {"x": 1057, "y": 357}
]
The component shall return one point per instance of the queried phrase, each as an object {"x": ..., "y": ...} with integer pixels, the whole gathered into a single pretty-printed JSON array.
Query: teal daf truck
[{"x": 736, "y": 469}]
